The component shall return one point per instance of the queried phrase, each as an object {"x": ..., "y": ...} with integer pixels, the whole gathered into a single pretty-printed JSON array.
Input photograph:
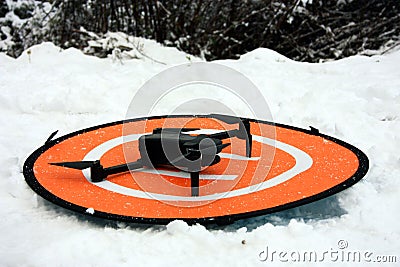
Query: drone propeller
[
  {"x": 97, "y": 172},
  {"x": 78, "y": 165},
  {"x": 174, "y": 130},
  {"x": 222, "y": 146},
  {"x": 226, "y": 118}
]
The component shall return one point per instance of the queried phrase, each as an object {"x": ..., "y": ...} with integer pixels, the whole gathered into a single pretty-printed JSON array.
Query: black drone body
[{"x": 173, "y": 147}]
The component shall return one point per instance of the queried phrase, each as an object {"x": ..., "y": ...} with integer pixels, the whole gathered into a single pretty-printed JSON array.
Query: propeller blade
[
  {"x": 222, "y": 146},
  {"x": 97, "y": 172},
  {"x": 174, "y": 130},
  {"x": 51, "y": 137},
  {"x": 189, "y": 129},
  {"x": 78, "y": 165},
  {"x": 226, "y": 118}
]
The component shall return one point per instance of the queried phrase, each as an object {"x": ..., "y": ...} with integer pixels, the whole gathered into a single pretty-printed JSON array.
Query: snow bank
[{"x": 356, "y": 99}]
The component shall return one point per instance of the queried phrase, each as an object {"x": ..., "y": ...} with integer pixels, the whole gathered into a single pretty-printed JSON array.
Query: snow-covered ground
[{"x": 356, "y": 99}]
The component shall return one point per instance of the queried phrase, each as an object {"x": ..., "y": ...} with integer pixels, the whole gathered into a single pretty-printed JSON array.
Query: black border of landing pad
[{"x": 226, "y": 219}]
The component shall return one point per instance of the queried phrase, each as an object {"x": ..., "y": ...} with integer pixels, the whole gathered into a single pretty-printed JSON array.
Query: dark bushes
[{"x": 301, "y": 30}]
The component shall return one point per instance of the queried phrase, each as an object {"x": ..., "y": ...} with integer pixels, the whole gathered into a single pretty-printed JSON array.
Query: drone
[{"x": 174, "y": 147}]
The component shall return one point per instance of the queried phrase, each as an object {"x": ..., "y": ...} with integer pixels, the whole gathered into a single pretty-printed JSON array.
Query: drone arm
[
  {"x": 242, "y": 133},
  {"x": 123, "y": 167},
  {"x": 224, "y": 135}
]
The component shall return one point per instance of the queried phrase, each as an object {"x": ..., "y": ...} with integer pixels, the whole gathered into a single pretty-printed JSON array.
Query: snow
[
  {"x": 90, "y": 211},
  {"x": 356, "y": 99}
]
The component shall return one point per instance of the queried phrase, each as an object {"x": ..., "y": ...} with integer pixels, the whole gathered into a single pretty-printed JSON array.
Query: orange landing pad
[{"x": 289, "y": 167}]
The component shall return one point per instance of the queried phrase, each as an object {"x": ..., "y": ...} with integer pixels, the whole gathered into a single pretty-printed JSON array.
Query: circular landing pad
[{"x": 289, "y": 167}]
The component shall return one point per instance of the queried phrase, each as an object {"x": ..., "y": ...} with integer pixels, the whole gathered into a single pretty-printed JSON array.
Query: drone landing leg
[
  {"x": 194, "y": 183},
  {"x": 249, "y": 143},
  {"x": 247, "y": 135}
]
